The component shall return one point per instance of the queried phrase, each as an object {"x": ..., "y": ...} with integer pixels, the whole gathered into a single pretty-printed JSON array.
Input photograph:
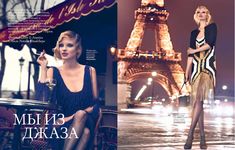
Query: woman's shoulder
[
  {"x": 194, "y": 32},
  {"x": 88, "y": 67},
  {"x": 54, "y": 68},
  {"x": 211, "y": 26},
  {"x": 54, "y": 71}
]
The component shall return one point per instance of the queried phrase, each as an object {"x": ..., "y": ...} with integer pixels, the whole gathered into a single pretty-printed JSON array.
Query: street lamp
[
  {"x": 154, "y": 74},
  {"x": 21, "y": 62},
  {"x": 112, "y": 50}
]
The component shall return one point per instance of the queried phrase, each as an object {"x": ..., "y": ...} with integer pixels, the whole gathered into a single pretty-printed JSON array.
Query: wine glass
[{"x": 50, "y": 83}]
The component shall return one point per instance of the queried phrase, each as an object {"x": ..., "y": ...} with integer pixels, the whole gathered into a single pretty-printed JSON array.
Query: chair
[
  {"x": 6, "y": 126},
  {"x": 107, "y": 135}
]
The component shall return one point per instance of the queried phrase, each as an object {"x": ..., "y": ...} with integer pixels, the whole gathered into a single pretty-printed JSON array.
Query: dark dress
[{"x": 71, "y": 102}]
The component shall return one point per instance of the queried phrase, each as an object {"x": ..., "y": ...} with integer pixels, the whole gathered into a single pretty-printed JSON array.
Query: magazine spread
[
  {"x": 117, "y": 74},
  {"x": 55, "y": 75}
]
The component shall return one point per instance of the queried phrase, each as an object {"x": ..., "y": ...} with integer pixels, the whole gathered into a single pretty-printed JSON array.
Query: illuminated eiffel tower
[{"x": 135, "y": 63}]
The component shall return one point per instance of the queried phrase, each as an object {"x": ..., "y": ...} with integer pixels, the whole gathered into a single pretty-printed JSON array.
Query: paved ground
[{"x": 142, "y": 129}]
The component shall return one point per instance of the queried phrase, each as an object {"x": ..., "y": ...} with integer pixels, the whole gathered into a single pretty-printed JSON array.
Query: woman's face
[
  {"x": 202, "y": 14},
  {"x": 68, "y": 48}
]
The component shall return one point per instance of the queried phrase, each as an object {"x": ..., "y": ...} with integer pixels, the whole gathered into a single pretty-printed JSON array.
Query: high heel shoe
[
  {"x": 203, "y": 143},
  {"x": 189, "y": 141}
]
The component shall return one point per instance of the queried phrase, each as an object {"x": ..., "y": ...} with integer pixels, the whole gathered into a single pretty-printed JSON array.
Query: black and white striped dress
[
  {"x": 203, "y": 73},
  {"x": 203, "y": 61}
]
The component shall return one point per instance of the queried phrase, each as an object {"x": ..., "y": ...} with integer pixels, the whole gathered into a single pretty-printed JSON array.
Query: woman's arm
[
  {"x": 94, "y": 88},
  {"x": 210, "y": 37},
  {"x": 94, "y": 83},
  {"x": 45, "y": 73},
  {"x": 202, "y": 48},
  {"x": 188, "y": 68}
]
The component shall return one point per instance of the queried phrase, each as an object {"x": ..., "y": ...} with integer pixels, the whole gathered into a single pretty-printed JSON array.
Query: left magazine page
[{"x": 58, "y": 74}]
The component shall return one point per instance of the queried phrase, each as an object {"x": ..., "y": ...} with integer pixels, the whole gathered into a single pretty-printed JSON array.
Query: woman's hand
[
  {"x": 61, "y": 121},
  {"x": 42, "y": 59},
  {"x": 191, "y": 51},
  {"x": 186, "y": 77},
  {"x": 89, "y": 109}
]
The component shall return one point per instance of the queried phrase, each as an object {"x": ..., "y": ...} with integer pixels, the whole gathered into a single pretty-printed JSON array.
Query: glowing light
[
  {"x": 217, "y": 102},
  {"x": 150, "y": 79},
  {"x": 154, "y": 73},
  {"x": 157, "y": 108},
  {"x": 183, "y": 110},
  {"x": 229, "y": 111},
  {"x": 169, "y": 109},
  {"x": 112, "y": 50},
  {"x": 224, "y": 87},
  {"x": 140, "y": 92}
]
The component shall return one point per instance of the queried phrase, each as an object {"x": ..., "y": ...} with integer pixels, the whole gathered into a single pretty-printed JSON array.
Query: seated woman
[{"x": 75, "y": 92}]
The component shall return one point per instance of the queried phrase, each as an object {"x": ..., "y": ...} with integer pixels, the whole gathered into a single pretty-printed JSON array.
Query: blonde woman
[
  {"x": 201, "y": 61},
  {"x": 75, "y": 92}
]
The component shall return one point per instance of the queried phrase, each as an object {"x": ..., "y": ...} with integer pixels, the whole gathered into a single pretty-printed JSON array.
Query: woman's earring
[{"x": 78, "y": 55}]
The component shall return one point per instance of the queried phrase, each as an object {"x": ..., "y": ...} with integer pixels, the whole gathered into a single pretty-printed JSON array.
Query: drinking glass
[{"x": 50, "y": 83}]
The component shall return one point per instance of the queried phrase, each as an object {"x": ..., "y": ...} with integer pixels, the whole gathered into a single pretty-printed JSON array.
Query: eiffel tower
[{"x": 135, "y": 63}]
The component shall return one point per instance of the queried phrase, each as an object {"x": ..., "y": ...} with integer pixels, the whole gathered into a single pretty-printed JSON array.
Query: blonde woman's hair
[
  {"x": 69, "y": 34},
  {"x": 209, "y": 18}
]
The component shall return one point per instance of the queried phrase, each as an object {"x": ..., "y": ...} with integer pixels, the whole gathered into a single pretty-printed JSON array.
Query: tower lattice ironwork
[{"x": 135, "y": 63}]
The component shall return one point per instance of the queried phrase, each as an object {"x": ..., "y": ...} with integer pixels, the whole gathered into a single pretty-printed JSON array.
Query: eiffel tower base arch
[{"x": 124, "y": 94}]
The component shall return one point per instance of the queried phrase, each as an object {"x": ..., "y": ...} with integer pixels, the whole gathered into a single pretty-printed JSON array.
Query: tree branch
[
  {"x": 14, "y": 13},
  {"x": 35, "y": 5},
  {"x": 13, "y": 6},
  {"x": 29, "y": 7}
]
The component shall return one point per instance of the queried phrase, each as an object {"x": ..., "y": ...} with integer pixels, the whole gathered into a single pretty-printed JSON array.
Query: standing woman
[
  {"x": 75, "y": 92},
  {"x": 201, "y": 60}
]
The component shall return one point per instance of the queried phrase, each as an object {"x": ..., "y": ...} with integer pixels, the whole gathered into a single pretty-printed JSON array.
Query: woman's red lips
[{"x": 64, "y": 54}]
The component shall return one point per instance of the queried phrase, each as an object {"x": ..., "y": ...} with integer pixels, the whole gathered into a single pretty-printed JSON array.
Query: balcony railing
[{"x": 149, "y": 55}]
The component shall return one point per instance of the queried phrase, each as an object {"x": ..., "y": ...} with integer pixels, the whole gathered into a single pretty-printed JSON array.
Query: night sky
[{"x": 181, "y": 23}]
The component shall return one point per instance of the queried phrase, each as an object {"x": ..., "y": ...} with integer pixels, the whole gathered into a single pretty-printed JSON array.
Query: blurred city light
[
  {"x": 150, "y": 79},
  {"x": 140, "y": 92},
  {"x": 217, "y": 102},
  {"x": 224, "y": 87},
  {"x": 154, "y": 73}
]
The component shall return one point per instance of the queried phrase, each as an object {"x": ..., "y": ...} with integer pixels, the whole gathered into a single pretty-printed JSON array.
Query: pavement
[{"x": 144, "y": 129}]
